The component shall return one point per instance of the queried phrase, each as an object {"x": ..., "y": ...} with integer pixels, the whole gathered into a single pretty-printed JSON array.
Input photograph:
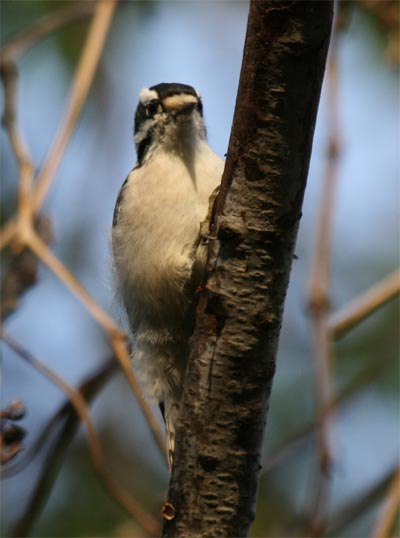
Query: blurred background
[{"x": 201, "y": 43}]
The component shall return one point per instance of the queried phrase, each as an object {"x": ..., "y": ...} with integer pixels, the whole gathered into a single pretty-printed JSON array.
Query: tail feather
[{"x": 170, "y": 417}]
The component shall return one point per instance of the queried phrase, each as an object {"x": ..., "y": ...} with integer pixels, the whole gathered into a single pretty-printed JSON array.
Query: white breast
[{"x": 163, "y": 204}]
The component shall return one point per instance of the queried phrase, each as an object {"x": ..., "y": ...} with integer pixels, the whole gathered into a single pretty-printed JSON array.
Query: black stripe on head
[
  {"x": 141, "y": 116},
  {"x": 161, "y": 405},
  {"x": 166, "y": 89},
  {"x": 142, "y": 148}
]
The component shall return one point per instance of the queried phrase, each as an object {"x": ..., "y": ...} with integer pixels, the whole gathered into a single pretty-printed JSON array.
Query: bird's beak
[{"x": 180, "y": 103}]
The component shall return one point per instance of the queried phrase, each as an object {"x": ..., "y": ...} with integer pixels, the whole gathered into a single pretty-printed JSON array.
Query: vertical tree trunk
[{"x": 214, "y": 481}]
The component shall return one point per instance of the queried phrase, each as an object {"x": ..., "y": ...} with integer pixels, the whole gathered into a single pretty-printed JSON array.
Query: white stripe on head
[
  {"x": 179, "y": 101},
  {"x": 142, "y": 133},
  {"x": 147, "y": 95}
]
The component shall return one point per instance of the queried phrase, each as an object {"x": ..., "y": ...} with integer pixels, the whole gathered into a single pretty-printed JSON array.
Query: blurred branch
[
  {"x": 387, "y": 14},
  {"x": 355, "y": 509},
  {"x": 117, "y": 338},
  {"x": 7, "y": 233},
  {"x": 360, "y": 382},
  {"x": 390, "y": 508},
  {"x": 21, "y": 273},
  {"x": 90, "y": 387},
  {"x": 20, "y": 276},
  {"x": 29, "y": 36},
  {"x": 21, "y": 231},
  {"x": 363, "y": 306},
  {"x": 124, "y": 499},
  {"x": 68, "y": 279},
  {"x": 69, "y": 421},
  {"x": 9, "y": 75},
  {"x": 80, "y": 88},
  {"x": 120, "y": 349},
  {"x": 318, "y": 302}
]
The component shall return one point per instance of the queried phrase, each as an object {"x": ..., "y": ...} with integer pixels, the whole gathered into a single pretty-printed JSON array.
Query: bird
[{"x": 155, "y": 235}]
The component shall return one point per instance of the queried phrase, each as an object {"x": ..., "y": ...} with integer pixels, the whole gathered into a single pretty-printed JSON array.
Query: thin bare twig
[
  {"x": 82, "y": 82},
  {"x": 290, "y": 445},
  {"x": 8, "y": 232},
  {"x": 29, "y": 36},
  {"x": 117, "y": 338},
  {"x": 390, "y": 508},
  {"x": 90, "y": 387},
  {"x": 26, "y": 168},
  {"x": 363, "y": 306},
  {"x": 65, "y": 276},
  {"x": 319, "y": 303},
  {"x": 125, "y": 500},
  {"x": 20, "y": 230},
  {"x": 61, "y": 428},
  {"x": 8, "y": 70},
  {"x": 120, "y": 349},
  {"x": 32, "y": 240}
]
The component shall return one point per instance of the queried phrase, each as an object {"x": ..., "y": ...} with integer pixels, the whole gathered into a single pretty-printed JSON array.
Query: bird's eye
[
  {"x": 152, "y": 108},
  {"x": 200, "y": 107}
]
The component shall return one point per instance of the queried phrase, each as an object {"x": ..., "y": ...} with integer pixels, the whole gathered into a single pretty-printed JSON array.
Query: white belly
[{"x": 162, "y": 207}]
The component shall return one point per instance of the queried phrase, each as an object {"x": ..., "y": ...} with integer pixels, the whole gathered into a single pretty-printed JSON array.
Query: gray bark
[{"x": 256, "y": 215}]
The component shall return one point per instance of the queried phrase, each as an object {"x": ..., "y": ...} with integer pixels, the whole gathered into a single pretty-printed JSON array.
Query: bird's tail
[{"x": 171, "y": 416}]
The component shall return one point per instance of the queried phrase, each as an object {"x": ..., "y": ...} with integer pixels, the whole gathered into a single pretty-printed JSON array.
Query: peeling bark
[{"x": 255, "y": 222}]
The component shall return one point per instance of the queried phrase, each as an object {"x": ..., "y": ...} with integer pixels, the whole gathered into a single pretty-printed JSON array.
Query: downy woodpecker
[{"x": 156, "y": 229}]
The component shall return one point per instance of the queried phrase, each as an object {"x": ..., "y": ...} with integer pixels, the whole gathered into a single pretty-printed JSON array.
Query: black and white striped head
[{"x": 169, "y": 116}]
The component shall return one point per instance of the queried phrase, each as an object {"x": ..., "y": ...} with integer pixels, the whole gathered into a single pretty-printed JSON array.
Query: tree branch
[
  {"x": 256, "y": 216},
  {"x": 319, "y": 303},
  {"x": 389, "y": 510},
  {"x": 362, "y": 381},
  {"x": 56, "y": 437},
  {"x": 84, "y": 76},
  {"x": 132, "y": 507},
  {"x": 364, "y": 305},
  {"x": 47, "y": 24}
]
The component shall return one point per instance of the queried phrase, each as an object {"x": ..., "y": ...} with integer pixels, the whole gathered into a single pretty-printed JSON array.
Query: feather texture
[{"x": 156, "y": 227}]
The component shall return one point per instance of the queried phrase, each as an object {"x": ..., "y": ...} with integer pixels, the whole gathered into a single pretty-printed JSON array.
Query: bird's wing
[
  {"x": 120, "y": 197},
  {"x": 117, "y": 208}
]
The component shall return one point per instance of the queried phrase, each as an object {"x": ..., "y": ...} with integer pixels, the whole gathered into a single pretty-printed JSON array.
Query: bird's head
[{"x": 169, "y": 117}]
